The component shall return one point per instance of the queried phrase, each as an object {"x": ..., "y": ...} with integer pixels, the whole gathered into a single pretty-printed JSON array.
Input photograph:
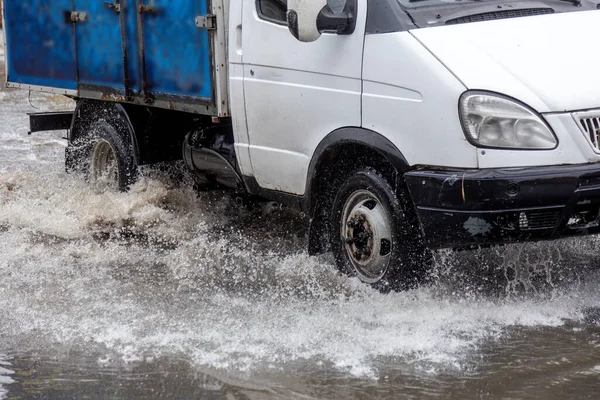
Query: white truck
[{"x": 398, "y": 126}]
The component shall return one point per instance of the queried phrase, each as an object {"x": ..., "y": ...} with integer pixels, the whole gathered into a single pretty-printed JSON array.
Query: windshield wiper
[{"x": 576, "y": 3}]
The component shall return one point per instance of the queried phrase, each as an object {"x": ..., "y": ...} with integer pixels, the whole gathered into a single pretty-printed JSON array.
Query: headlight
[{"x": 490, "y": 120}]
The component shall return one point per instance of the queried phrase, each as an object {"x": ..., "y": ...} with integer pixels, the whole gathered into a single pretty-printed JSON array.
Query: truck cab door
[{"x": 296, "y": 93}]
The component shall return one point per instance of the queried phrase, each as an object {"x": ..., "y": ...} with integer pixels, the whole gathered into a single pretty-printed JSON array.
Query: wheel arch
[
  {"x": 87, "y": 111},
  {"x": 339, "y": 153},
  {"x": 335, "y": 146}
]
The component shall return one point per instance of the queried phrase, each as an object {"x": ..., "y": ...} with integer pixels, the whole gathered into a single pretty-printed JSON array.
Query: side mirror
[{"x": 306, "y": 19}]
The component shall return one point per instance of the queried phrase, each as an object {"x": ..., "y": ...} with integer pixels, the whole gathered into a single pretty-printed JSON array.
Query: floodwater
[{"x": 163, "y": 293}]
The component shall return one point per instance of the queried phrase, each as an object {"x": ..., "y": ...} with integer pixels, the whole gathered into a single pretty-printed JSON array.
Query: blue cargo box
[{"x": 163, "y": 53}]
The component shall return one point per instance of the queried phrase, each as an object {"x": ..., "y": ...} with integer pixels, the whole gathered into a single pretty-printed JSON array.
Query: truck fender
[
  {"x": 327, "y": 152},
  {"x": 86, "y": 111}
]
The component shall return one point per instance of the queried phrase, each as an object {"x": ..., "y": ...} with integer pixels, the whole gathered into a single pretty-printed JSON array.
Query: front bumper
[{"x": 462, "y": 208}]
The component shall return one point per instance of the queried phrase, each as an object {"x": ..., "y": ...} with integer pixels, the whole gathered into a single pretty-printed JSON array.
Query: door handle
[
  {"x": 238, "y": 40},
  {"x": 152, "y": 10},
  {"x": 114, "y": 5}
]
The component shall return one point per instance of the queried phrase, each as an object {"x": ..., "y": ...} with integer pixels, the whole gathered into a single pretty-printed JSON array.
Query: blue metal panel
[
  {"x": 151, "y": 48},
  {"x": 177, "y": 53},
  {"x": 41, "y": 49},
  {"x": 129, "y": 17},
  {"x": 99, "y": 45}
]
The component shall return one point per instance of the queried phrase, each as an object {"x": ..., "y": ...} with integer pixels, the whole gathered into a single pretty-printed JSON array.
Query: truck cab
[{"x": 398, "y": 126}]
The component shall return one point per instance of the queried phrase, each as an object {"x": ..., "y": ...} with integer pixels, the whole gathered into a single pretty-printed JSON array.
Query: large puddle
[{"x": 161, "y": 292}]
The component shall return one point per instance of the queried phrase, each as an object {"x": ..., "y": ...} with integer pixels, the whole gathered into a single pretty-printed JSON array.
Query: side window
[{"x": 272, "y": 10}]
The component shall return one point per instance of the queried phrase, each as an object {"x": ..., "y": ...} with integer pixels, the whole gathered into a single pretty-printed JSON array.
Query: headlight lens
[{"x": 491, "y": 120}]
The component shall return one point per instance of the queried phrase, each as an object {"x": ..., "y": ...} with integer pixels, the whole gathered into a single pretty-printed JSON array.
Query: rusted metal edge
[
  {"x": 46, "y": 89},
  {"x": 196, "y": 105}
]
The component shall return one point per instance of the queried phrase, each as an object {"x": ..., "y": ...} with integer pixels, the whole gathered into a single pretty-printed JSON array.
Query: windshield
[
  {"x": 413, "y": 3},
  {"x": 424, "y": 3},
  {"x": 419, "y": 3},
  {"x": 424, "y": 13}
]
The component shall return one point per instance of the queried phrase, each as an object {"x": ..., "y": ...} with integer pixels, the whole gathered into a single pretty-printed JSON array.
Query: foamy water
[
  {"x": 5, "y": 375},
  {"x": 161, "y": 271}
]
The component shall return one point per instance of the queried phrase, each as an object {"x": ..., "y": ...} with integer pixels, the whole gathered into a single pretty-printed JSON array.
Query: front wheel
[{"x": 372, "y": 236}]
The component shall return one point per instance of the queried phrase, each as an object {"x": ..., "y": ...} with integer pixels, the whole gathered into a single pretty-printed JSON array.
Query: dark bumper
[{"x": 479, "y": 207}]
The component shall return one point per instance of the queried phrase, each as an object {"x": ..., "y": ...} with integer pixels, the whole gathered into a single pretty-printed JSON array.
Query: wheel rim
[
  {"x": 104, "y": 166},
  {"x": 366, "y": 234}
]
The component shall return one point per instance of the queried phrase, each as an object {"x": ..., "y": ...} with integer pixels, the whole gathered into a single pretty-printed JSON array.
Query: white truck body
[{"x": 405, "y": 86}]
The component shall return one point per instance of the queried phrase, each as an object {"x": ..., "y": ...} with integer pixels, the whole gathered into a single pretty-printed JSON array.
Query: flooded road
[{"x": 161, "y": 293}]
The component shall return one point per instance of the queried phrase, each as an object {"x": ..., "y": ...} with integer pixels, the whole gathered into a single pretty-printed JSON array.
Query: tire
[
  {"x": 105, "y": 156},
  {"x": 373, "y": 235}
]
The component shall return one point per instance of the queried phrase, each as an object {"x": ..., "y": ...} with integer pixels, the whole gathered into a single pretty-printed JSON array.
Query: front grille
[
  {"x": 488, "y": 16},
  {"x": 532, "y": 220},
  {"x": 589, "y": 123}
]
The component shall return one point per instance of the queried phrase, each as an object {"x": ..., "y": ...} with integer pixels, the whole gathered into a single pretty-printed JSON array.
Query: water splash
[
  {"x": 5, "y": 376},
  {"x": 163, "y": 271}
]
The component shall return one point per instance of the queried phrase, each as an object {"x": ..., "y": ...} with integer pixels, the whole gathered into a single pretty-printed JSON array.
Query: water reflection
[{"x": 77, "y": 377}]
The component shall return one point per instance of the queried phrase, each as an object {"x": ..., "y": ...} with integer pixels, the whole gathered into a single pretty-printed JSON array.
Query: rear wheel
[
  {"x": 105, "y": 155},
  {"x": 104, "y": 168},
  {"x": 372, "y": 235}
]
